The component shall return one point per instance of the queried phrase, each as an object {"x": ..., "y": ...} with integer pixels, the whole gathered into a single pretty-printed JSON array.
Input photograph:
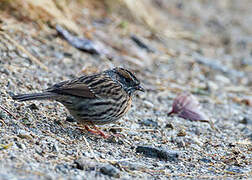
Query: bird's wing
[{"x": 76, "y": 87}]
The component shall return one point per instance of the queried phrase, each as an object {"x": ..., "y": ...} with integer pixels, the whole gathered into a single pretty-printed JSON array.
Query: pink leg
[{"x": 96, "y": 131}]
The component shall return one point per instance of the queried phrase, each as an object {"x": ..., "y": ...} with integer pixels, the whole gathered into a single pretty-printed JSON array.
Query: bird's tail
[{"x": 34, "y": 96}]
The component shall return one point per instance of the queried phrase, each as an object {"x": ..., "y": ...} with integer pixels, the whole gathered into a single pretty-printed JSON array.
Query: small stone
[
  {"x": 231, "y": 144},
  {"x": 4, "y": 71},
  {"x": 149, "y": 122},
  {"x": 148, "y": 104},
  {"x": 12, "y": 157},
  {"x": 39, "y": 151},
  {"x": 181, "y": 132},
  {"x": 132, "y": 166},
  {"x": 64, "y": 168},
  {"x": 212, "y": 86},
  {"x": 169, "y": 125},
  {"x": 67, "y": 54},
  {"x": 115, "y": 131},
  {"x": 27, "y": 121},
  {"x": 245, "y": 120},
  {"x": 70, "y": 152},
  {"x": 234, "y": 170},
  {"x": 33, "y": 107},
  {"x": 250, "y": 137},
  {"x": 58, "y": 55},
  {"x": 3, "y": 115},
  {"x": 167, "y": 155},
  {"x": 84, "y": 164},
  {"x": 205, "y": 160},
  {"x": 197, "y": 141},
  {"x": 110, "y": 171},
  {"x": 222, "y": 79},
  {"x": 20, "y": 145},
  {"x": 56, "y": 147},
  {"x": 179, "y": 141},
  {"x": 24, "y": 134}
]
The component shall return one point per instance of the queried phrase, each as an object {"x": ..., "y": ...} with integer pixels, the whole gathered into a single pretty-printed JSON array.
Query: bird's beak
[{"x": 140, "y": 88}]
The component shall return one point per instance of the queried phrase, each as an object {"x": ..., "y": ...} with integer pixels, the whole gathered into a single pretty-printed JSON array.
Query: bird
[{"x": 95, "y": 99}]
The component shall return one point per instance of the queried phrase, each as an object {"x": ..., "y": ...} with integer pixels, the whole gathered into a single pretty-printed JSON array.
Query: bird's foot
[{"x": 96, "y": 130}]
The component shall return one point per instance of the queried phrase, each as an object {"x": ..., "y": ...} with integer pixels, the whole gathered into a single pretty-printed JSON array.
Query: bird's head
[{"x": 127, "y": 80}]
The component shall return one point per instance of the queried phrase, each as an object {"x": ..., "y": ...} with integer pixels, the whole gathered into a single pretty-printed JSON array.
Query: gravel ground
[{"x": 213, "y": 61}]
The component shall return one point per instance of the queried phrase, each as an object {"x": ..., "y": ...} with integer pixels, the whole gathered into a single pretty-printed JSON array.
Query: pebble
[
  {"x": 21, "y": 145},
  {"x": 2, "y": 115},
  {"x": 149, "y": 122},
  {"x": 10, "y": 47},
  {"x": 4, "y": 71},
  {"x": 152, "y": 152},
  {"x": 246, "y": 61},
  {"x": 222, "y": 79},
  {"x": 212, "y": 86},
  {"x": 84, "y": 164},
  {"x": 132, "y": 166},
  {"x": 39, "y": 151},
  {"x": 197, "y": 141},
  {"x": 250, "y": 137},
  {"x": 181, "y": 132},
  {"x": 58, "y": 55},
  {"x": 205, "y": 160},
  {"x": 114, "y": 139},
  {"x": 110, "y": 171},
  {"x": 56, "y": 147},
  {"x": 169, "y": 126},
  {"x": 33, "y": 107},
  {"x": 245, "y": 120},
  {"x": 24, "y": 134},
  {"x": 178, "y": 140},
  {"x": 148, "y": 104},
  {"x": 64, "y": 168},
  {"x": 234, "y": 170}
]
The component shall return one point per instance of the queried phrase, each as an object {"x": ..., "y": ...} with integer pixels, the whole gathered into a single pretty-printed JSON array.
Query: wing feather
[{"x": 75, "y": 87}]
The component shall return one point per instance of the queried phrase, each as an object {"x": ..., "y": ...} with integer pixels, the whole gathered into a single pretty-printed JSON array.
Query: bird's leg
[
  {"x": 96, "y": 131},
  {"x": 101, "y": 132}
]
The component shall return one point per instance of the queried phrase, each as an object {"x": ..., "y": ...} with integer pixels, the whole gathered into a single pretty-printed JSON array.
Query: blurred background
[
  {"x": 186, "y": 30},
  {"x": 199, "y": 46}
]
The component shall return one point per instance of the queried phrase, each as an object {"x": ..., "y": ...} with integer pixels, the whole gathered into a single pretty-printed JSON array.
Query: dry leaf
[{"x": 187, "y": 106}]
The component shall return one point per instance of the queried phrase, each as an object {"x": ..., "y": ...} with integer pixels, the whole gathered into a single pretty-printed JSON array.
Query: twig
[
  {"x": 115, "y": 160},
  {"x": 147, "y": 130},
  {"x": 210, "y": 122},
  {"x": 118, "y": 127},
  {"x": 21, "y": 48},
  {"x": 138, "y": 130},
  {"x": 90, "y": 149},
  {"x": 8, "y": 112},
  {"x": 6, "y": 146}
]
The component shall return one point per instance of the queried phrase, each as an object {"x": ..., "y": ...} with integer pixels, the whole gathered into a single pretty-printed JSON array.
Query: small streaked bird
[{"x": 95, "y": 99}]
